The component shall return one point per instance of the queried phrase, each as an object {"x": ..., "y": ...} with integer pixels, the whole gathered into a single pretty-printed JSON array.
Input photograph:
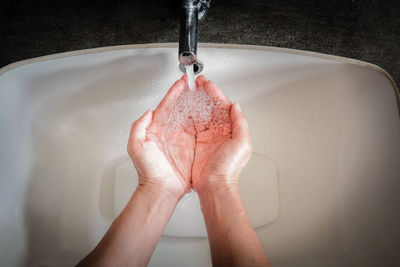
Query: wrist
[
  {"x": 160, "y": 192},
  {"x": 218, "y": 185},
  {"x": 221, "y": 200},
  {"x": 165, "y": 185}
]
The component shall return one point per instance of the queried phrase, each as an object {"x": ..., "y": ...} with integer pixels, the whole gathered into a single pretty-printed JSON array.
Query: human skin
[
  {"x": 160, "y": 155},
  {"x": 163, "y": 160},
  {"x": 169, "y": 163},
  {"x": 220, "y": 156}
]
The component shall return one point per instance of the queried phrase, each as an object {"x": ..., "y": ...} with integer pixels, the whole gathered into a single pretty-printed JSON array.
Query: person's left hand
[
  {"x": 221, "y": 151},
  {"x": 162, "y": 156}
]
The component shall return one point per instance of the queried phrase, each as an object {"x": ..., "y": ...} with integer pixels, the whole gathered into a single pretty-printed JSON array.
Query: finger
[
  {"x": 240, "y": 128},
  {"x": 138, "y": 130},
  {"x": 184, "y": 78},
  {"x": 174, "y": 92},
  {"x": 214, "y": 91},
  {"x": 201, "y": 79}
]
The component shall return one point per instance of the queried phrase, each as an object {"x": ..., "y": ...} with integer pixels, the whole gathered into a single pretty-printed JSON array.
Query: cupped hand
[
  {"x": 163, "y": 157},
  {"x": 222, "y": 151}
]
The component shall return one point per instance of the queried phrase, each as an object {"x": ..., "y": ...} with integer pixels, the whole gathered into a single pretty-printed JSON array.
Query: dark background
[{"x": 368, "y": 30}]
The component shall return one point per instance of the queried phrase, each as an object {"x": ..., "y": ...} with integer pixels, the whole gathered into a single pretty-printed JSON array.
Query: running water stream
[{"x": 190, "y": 77}]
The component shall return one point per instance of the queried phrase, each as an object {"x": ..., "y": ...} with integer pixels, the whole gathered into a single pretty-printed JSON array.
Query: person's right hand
[{"x": 221, "y": 154}]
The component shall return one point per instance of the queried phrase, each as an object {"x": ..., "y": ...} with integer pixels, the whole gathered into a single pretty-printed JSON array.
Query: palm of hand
[
  {"x": 163, "y": 156},
  {"x": 213, "y": 154},
  {"x": 212, "y": 151},
  {"x": 172, "y": 154},
  {"x": 198, "y": 155}
]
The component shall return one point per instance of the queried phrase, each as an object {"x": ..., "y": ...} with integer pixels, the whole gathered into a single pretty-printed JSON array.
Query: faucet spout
[{"x": 191, "y": 12}]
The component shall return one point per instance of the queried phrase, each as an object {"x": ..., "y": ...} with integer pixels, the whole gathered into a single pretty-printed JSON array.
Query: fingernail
[{"x": 238, "y": 106}]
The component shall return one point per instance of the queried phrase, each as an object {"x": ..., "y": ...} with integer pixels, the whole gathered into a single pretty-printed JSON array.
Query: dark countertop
[{"x": 367, "y": 30}]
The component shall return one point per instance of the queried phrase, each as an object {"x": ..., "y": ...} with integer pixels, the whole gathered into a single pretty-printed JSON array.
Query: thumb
[{"x": 138, "y": 130}]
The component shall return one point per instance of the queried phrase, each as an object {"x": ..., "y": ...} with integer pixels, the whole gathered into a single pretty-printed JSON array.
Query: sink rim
[{"x": 341, "y": 59}]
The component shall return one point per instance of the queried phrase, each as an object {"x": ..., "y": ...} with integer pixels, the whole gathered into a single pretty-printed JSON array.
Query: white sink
[{"x": 328, "y": 127}]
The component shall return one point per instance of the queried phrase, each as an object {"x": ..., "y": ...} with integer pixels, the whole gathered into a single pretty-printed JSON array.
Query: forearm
[
  {"x": 233, "y": 241},
  {"x": 133, "y": 236}
]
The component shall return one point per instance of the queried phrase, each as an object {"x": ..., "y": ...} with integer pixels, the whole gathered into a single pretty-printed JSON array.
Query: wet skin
[
  {"x": 198, "y": 157},
  {"x": 170, "y": 153},
  {"x": 207, "y": 157}
]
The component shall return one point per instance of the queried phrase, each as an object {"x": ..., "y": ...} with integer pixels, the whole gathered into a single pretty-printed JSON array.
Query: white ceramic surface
[{"x": 330, "y": 126}]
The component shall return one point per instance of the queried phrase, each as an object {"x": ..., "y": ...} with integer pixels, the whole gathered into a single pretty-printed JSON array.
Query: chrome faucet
[{"x": 191, "y": 12}]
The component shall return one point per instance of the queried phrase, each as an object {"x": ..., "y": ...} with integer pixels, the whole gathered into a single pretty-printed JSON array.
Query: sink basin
[{"x": 326, "y": 130}]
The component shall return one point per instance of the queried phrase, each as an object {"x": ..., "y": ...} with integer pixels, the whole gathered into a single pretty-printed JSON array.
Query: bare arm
[
  {"x": 132, "y": 237},
  {"x": 164, "y": 177},
  {"x": 219, "y": 158},
  {"x": 233, "y": 241}
]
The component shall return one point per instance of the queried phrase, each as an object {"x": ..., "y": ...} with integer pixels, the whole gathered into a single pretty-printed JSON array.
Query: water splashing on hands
[
  {"x": 195, "y": 137},
  {"x": 162, "y": 157}
]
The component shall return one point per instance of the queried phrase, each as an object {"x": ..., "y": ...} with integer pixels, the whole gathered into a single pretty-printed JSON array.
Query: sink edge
[{"x": 374, "y": 67}]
